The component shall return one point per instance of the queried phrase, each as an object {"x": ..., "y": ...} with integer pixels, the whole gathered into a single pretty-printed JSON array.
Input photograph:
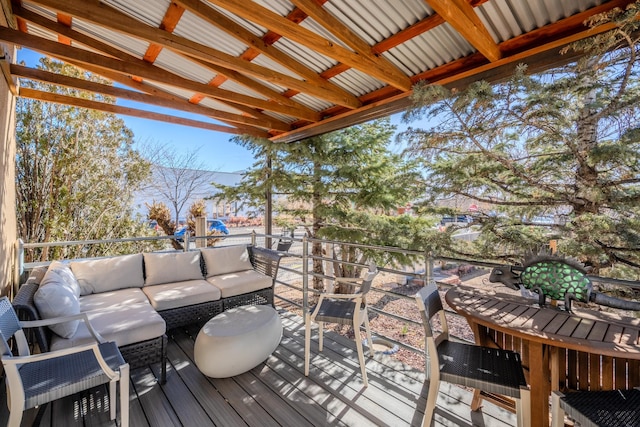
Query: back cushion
[
  {"x": 57, "y": 296},
  {"x": 171, "y": 267},
  {"x": 109, "y": 274},
  {"x": 227, "y": 259}
]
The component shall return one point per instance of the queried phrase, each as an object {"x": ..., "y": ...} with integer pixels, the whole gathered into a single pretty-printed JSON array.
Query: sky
[{"x": 217, "y": 152}]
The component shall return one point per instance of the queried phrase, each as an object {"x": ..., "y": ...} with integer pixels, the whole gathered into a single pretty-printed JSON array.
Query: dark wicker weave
[
  {"x": 197, "y": 313},
  {"x": 613, "y": 408},
  {"x": 259, "y": 297}
]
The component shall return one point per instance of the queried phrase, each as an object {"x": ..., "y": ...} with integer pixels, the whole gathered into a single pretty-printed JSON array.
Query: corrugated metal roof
[
  {"x": 373, "y": 21},
  {"x": 192, "y": 26},
  {"x": 181, "y": 66},
  {"x": 150, "y": 12},
  {"x": 130, "y": 45}
]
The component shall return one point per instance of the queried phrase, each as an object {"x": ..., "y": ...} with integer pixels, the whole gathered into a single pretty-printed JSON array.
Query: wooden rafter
[
  {"x": 144, "y": 70},
  {"x": 461, "y": 16},
  {"x": 105, "y": 15},
  {"x": 108, "y": 17},
  {"x": 127, "y": 79},
  {"x": 457, "y": 73},
  {"x": 116, "y": 109},
  {"x": 169, "y": 21},
  {"x": 216, "y": 18},
  {"x": 84, "y": 85},
  {"x": 260, "y": 15}
]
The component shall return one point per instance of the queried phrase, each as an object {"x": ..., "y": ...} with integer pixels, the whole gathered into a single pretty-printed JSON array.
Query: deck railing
[{"x": 292, "y": 285}]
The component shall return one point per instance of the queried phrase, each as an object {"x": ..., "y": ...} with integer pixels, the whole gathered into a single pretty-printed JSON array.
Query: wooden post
[{"x": 201, "y": 230}]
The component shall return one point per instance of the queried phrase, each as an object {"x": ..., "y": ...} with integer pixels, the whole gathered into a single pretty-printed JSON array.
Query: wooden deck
[{"x": 276, "y": 393}]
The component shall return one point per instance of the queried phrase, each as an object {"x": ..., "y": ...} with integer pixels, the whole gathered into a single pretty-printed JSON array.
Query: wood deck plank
[
  {"x": 276, "y": 392},
  {"x": 201, "y": 388}
]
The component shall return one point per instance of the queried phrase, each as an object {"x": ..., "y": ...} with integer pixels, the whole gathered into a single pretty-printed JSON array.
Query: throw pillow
[
  {"x": 171, "y": 267},
  {"x": 56, "y": 297},
  {"x": 109, "y": 274},
  {"x": 227, "y": 259}
]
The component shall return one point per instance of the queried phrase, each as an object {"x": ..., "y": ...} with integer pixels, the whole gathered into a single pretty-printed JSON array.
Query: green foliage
[
  {"x": 561, "y": 143},
  {"x": 75, "y": 173},
  {"x": 343, "y": 185}
]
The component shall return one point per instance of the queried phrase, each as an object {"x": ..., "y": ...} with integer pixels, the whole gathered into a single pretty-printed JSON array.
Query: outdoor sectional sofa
[{"x": 134, "y": 299}]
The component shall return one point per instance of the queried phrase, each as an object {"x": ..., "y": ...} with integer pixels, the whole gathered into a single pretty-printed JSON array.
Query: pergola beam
[
  {"x": 461, "y": 16},
  {"x": 85, "y": 85},
  {"x": 98, "y": 45},
  {"x": 378, "y": 68},
  {"x": 108, "y": 17},
  {"x": 144, "y": 70},
  {"x": 216, "y": 18},
  {"x": 116, "y": 109}
]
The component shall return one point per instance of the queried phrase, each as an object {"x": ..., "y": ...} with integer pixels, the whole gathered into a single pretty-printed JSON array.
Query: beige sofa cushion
[
  {"x": 112, "y": 300},
  {"x": 108, "y": 274},
  {"x": 124, "y": 324},
  {"x": 240, "y": 282},
  {"x": 171, "y": 267},
  {"x": 180, "y": 294},
  {"x": 57, "y": 296},
  {"x": 227, "y": 259}
]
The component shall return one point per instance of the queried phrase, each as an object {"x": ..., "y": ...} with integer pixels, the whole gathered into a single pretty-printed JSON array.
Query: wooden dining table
[{"x": 583, "y": 350}]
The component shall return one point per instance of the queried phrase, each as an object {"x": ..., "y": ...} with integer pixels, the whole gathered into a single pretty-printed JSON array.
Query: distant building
[{"x": 214, "y": 209}]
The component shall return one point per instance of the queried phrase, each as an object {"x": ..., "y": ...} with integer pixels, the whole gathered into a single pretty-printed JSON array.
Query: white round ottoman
[{"x": 237, "y": 340}]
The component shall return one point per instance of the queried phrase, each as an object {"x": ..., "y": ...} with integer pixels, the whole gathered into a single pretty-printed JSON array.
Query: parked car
[
  {"x": 453, "y": 219},
  {"x": 218, "y": 225},
  {"x": 179, "y": 234}
]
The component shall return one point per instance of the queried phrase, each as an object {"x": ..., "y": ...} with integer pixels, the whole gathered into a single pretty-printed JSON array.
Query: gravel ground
[{"x": 404, "y": 332}]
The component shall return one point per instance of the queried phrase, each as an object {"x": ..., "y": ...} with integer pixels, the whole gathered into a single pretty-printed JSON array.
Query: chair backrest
[
  {"x": 284, "y": 245},
  {"x": 430, "y": 305},
  {"x": 10, "y": 327},
  {"x": 368, "y": 279}
]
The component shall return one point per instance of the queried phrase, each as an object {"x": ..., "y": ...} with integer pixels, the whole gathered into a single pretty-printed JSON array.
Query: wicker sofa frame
[{"x": 143, "y": 353}]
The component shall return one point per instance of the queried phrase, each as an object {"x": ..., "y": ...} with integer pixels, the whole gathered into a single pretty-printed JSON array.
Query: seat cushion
[
  {"x": 240, "y": 282},
  {"x": 335, "y": 311},
  {"x": 113, "y": 300},
  {"x": 57, "y": 296},
  {"x": 226, "y": 259},
  {"x": 108, "y": 274},
  {"x": 489, "y": 369},
  {"x": 125, "y": 324},
  {"x": 171, "y": 267},
  {"x": 181, "y": 294},
  {"x": 50, "y": 379}
]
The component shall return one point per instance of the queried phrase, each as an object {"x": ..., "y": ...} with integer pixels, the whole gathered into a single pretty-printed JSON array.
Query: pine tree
[
  {"x": 563, "y": 143},
  {"x": 343, "y": 185}
]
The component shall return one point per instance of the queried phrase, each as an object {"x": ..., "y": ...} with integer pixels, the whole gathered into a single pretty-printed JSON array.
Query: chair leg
[
  {"x": 307, "y": 343},
  {"x": 432, "y": 397},
  {"x": 363, "y": 367},
  {"x": 112, "y": 399},
  {"x": 16, "y": 408},
  {"x": 124, "y": 395},
  {"x": 523, "y": 412},
  {"x": 368, "y": 332},
  {"x": 557, "y": 413},
  {"x": 320, "y": 336}
]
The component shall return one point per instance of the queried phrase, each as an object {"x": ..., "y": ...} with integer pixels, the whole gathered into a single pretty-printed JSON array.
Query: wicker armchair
[
  {"x": 488, "y": 369},
  {"x": 34, "y": 380},
  {"x": 610, "y": 408},
  {"x": 344, "y": 309}
]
